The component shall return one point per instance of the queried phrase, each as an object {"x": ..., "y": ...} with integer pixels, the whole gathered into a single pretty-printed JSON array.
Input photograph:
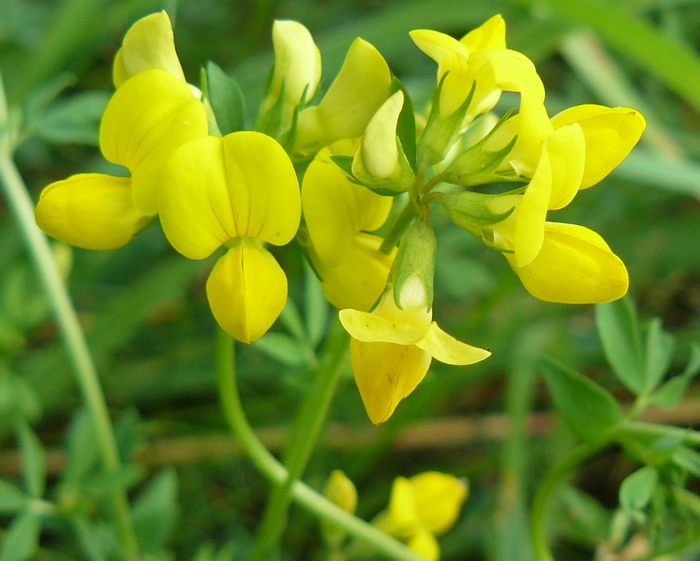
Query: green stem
[
  {"x": 277, "y": 474},
  {"x": 404, "y": 219},
  {"x": 546, "y": 489},
  {"x": 305, "y": 432},
  {"x": 690, "y": 437},
  {"x": 73, "y": 337}
]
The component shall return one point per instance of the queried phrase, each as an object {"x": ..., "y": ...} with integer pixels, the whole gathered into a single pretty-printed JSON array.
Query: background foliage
[{"x": 145, "y": 313}]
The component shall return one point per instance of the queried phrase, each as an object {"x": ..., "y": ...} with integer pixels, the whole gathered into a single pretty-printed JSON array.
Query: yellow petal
[
  {"x": 386, "y": 373},
  {"x": 220, "y": 188},
  {"x": 439, "y": 498},
  {"x": 530, "y": 216},
  {"x": 424, "y": 544},
  {"x": 575, "y": 266},
  {"x": 449, "y": 350},
  {"x": 610, "y": 132},
  {"x": 336, "y": 209},
  {"x": 374, "y": 328},
  {"x": 341, "y": 491},
  {"x": 358, "y": 279},
  {"x": 362, "y": 85},
  {"x": 378, "y": 149},
  {"x": 489, "y": 35},
  {"x": 247, "y": 290},
  {"x": 148, "y": 44},
  {"x": 148, "y": 117},
  {"x": 90, "y": 210},
  {"x": 297, "y": 65},
  {"x": 452, "y": 57},
  {"x": 403, "y": 517},
  {"x": 566, "y": 148}
]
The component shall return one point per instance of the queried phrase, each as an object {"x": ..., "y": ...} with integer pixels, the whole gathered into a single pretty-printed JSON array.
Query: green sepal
[
  {"x": 439, "y": 133},
  {"x": 476, "y": 166},
  {"x": 406, "y": 126},
  {"x": 226, "y": 99},
  {"x": 415, "y": 257},
  {"x": 270, "y": 122},
  {"x": 386, "y": 188},
  {"x": 471, "y": 211}
]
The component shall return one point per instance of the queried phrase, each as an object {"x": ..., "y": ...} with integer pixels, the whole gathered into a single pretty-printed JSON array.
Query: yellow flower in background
[
  {"x": 392, "y": 348},
  {"x": 148, "y": 44},
  {"x": 297, "y": 67},
  {"x": 240, "y": 191},
  {"x": 149, "y": 116},
  {"x": 338, "y": 215},
  {"x": 362, "y": 85},
  {"x": 422, "y": 507}
]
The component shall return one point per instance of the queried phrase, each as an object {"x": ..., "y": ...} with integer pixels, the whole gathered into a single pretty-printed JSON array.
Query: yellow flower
[
  {"x": 362, "y": 85},
  {"x": 392, "y": 348},
  {"x": 240, "y": 191},
  {"x": 480, "y": 60},
  {"x": 422, "y": 507},
  {"x": 338, "y": 215},
  {"x": 148, "y": 44},
  {"x": 297, "y": 66},
  {"x": 149, "y": 116}
]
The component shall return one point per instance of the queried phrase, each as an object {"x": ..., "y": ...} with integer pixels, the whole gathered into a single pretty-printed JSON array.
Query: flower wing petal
[
  {"x": 90, "y": 210},
  {"x": 449, "y": 350}
]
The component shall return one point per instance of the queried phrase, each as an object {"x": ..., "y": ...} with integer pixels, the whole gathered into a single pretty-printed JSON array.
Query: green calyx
[{"x": 415, "y": 258}]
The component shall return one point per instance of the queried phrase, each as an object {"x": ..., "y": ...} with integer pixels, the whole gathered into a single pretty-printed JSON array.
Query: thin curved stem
[
  {"x": 546, "y": 489},
  {"x": 73, "y": 338},
  {"x": 305, "y": 433},
  {"x": 264, "y": 461}
]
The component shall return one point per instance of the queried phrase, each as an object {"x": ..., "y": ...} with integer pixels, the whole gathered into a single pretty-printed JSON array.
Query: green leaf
[
  {"x": 587, "y": 408},
  {"x": 22, "y": 538},
  {"x": 282, "y": 347},
  {"x": 34, "y": 465},
  {"x": 636, "y": 490},
  {"x": 659, "y": 353},
  {"x": 672, "y": 391},
  {"x": 688, "y": 459},
  {"x": 315, "y": 307},
  {"x": 291, "y": 318},
  {"x": 589, "y": 520},
  {"x": 619, "y": 333},
  {"x": 12, "y": 499},
  {"x": 74, "y": 121},
  {"x": 82, "y": 449},
  {"x": 155, "y": 511},
  {"x": 226, "y": 99}
]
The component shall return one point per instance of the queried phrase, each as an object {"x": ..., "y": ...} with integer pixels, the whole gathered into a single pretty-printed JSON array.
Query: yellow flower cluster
[
  {"x": 370, "y": 176},
  {"x": 420, "y": 508}
]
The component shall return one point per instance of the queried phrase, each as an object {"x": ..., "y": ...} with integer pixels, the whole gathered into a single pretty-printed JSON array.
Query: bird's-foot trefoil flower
[
  {"x": 240, "y": 191},
  {"x": 295, "y": 77},
  {"x": 392, "y": 347},
  {"x": 359, "y": 89},
  {"x": 148, "y": 117},
  {"x": 339, "y": 215},
  {"x": 422, "y": 507}
]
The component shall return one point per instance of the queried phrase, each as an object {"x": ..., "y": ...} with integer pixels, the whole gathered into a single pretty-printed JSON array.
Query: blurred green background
[{"x": 144, "y": 307}]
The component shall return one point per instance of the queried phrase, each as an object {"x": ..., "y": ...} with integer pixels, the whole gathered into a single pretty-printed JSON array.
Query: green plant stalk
[
  {"x": 553, "y": 478},
  {"x": 304, "y": 435},
  {"x": 408, "y": 213},
  {"x": 275, "y": 471},
  {"x": 73, "y": 337},
  {"x": 653, "y": 430}
]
